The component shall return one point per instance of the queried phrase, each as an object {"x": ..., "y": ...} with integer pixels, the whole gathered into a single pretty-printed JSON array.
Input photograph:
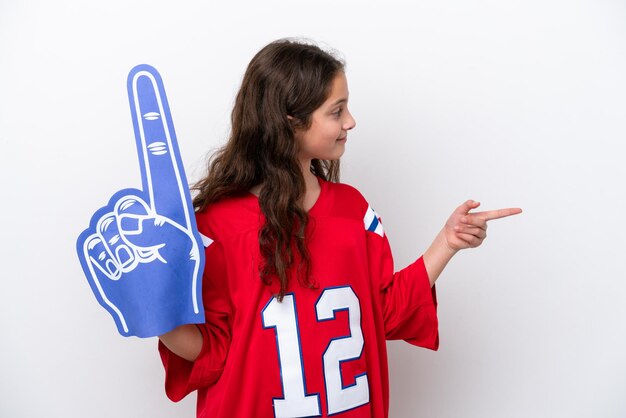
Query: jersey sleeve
[
  {"x": 408, "y": 302},
  {"x": 182, "y": 376}
]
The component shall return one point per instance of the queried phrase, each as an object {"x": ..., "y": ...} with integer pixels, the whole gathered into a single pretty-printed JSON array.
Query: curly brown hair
[{"x": 284, "y": 84}]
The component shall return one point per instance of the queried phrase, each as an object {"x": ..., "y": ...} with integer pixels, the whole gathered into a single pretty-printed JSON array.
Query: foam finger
[{"x": 161, "y": 165}]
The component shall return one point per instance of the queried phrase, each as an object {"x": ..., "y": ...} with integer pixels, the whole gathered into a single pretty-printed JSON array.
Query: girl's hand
[
  {"x": 462, "y": 230},
  {"x": 469, "y": 230}
]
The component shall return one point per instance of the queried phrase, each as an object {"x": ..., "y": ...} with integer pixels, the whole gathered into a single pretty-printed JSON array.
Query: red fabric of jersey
[{"x": 320, "y": 351}]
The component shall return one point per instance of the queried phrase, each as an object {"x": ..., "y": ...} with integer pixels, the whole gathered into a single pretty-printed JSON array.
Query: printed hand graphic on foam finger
[{"x": 142, "y": 253}]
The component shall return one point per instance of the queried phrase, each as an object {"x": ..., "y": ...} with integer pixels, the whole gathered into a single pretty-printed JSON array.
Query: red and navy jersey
[{"x": 321, "y": 351}]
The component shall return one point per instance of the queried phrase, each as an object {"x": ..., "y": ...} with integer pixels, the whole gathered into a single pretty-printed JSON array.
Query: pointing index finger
[
  {"x": 162, "y": 172},
  {"x": 498, "y": 213}
]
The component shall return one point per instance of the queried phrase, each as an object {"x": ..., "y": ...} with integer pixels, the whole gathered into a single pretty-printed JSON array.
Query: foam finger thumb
[{"x": 147, "y": 231}]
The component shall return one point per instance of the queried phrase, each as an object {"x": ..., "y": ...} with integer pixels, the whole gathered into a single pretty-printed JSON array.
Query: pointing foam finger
[{"x": 162, "y": 172}]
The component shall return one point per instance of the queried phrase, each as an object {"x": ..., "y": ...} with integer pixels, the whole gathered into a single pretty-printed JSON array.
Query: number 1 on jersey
[{"x": 295, "y": 402}]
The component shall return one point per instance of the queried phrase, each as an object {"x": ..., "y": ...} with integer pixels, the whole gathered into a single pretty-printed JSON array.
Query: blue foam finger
[
  {"x": 149, "y": 236},
  {"x": 162, "y": 171}
]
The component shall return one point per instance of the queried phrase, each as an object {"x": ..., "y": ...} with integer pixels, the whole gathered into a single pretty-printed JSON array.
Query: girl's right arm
[{"x": 185, "y": 341}]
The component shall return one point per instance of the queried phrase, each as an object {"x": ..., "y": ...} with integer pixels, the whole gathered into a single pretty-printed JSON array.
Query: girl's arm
[
  {"x": 462, "y": 230},
  {"x": 185, "y": 341}
]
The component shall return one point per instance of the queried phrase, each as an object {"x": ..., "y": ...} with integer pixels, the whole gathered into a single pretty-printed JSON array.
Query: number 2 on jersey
[{"x": 282, "y": 316}]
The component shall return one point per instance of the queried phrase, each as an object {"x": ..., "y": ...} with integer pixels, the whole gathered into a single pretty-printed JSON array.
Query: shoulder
[
  {"x": 228, "y": 217},
  {"x": 349, "y": 202},
  {"x": 346, "y": 191}
]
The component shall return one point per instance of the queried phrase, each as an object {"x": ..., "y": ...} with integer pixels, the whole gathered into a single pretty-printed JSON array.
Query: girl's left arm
[{"x": 462, "y": 230}]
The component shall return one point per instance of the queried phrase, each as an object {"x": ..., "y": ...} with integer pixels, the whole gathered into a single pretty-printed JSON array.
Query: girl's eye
[{"x": 338, "y": 112}]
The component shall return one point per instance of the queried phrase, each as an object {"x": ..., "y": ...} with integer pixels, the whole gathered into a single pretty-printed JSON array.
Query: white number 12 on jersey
[{"x": 283, "y": 318}]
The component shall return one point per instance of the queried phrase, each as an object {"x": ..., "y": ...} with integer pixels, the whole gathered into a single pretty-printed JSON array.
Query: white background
[{"x": 512, "y": 103}]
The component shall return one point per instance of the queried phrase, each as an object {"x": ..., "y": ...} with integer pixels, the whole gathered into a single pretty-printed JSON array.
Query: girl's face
[{"x": 326, "y": 137}]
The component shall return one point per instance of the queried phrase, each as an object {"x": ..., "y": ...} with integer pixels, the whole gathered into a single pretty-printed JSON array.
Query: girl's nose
[{"x": 349, "y": 122}]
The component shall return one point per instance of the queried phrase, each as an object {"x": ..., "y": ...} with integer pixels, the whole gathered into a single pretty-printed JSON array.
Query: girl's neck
[
  {"x": 310, "y": 179},
  {"x": 312, "y": 185}
]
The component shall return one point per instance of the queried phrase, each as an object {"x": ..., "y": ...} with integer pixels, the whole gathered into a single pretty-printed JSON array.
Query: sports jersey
[{"x": 321, "y": 351}]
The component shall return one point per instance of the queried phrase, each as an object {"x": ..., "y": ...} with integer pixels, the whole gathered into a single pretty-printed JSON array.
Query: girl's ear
[{"x": 295, "y": 122}]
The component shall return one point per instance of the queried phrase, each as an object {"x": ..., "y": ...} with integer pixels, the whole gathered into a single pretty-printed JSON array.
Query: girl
[{"x": 299, "y": 289}]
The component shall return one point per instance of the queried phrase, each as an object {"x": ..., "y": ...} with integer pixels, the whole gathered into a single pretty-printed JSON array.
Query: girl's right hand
[
  {"x": 468, "y": 230},
  {"x": 462, "y": 230}
]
